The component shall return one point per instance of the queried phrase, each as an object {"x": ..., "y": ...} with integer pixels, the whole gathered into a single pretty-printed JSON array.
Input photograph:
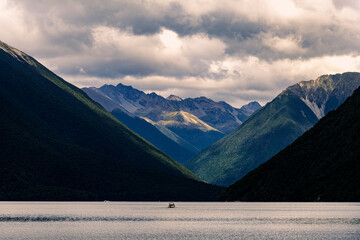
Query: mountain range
[
  {"x": 192, "y": 123},
  {"x": 170, "y": 143},
  {"x": 321, "y": 165},
  {"x": 58, "y": 144},
  {"x": 272, "y": 128}
]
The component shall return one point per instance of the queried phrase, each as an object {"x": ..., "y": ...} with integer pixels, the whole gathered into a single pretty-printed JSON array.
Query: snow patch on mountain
[{"x": 318, "y": 111}]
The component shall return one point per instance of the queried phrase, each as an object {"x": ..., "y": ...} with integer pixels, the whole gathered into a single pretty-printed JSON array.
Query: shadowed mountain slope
[
  {"x": 178, "y": 151},
  {"x": 321, "y": 165},
  {"x": 272, "y": 128},
  {"x": 153, "y": 135},
  {"x": 220, "y": 117},
  {"x": 58, "y": 144}
]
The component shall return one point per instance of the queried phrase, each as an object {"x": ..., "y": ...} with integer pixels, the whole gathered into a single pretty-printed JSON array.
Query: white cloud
[
  {"x": 170, "y": 39},
  {"x": 288, "y": 45},
  {"x": 232, "y": 50},
  {"x": 115, "y": 53},
  {"x": 14, "y": 28},
  {"x": 248, "y": 79}
]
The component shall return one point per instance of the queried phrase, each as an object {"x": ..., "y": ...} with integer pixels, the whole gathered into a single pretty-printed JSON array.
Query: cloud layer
[{"x": 229, "y": 50}]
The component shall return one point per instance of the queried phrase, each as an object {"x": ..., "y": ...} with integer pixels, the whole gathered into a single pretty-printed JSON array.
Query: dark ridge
[
  {"x": 321, "y": 165},
  {"x": 58, "y": 144}
]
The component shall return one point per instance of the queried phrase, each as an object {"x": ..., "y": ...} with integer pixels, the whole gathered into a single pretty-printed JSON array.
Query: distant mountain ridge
[
  {"x": 321, "y": 165},
  {"x": 174, "y": 98},
  {"x": 272, "y": 128},
  {"x": 58, "y": 144},
  {"x": 169, "y": 143},
  {"x": 193, "y": 123},
  {"x": 219, "y": 115}
]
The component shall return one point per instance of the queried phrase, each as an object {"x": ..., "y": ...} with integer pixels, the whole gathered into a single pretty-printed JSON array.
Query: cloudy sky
[{"x": 231, "y": 50}]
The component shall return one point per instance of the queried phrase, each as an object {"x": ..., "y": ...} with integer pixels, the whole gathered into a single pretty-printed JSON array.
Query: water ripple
[{"x": 55, "y": 218}]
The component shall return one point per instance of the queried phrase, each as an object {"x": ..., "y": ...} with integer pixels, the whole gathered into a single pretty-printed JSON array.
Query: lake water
[{"x": 190, "y": 220}]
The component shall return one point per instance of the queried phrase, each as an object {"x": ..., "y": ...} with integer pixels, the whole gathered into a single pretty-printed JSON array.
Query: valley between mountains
[
  {"x": 190, "y": 124},
  {"x": 60, "y": 142}
]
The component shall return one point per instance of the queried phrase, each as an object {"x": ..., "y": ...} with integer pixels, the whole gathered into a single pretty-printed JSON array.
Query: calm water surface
[{"x": 153, "y": 220}]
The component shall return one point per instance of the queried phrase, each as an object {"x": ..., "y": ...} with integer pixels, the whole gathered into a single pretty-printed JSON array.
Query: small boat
[{"x": 171, "y": 205}]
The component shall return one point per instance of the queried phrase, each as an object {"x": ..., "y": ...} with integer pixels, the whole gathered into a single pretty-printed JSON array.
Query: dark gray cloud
[
  {"x": 257, "y": 47},
  {"x": 69, "y": 23},
  {"x": 347, "y": 3}
]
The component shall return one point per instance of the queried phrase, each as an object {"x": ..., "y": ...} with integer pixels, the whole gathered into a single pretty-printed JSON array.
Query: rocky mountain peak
[
  {"x": 174, "y": 98},
  {"x": 319, "y": 93},
  {"x": 250, "y": 107},
  {"x": 219, "y": 115}
]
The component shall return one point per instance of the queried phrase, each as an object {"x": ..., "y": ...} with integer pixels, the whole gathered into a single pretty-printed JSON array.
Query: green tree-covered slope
[
  {"x": 272, "y": 128},
  {"x": 321, "y": 165},
  {"x": 56, "y": 143}
]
